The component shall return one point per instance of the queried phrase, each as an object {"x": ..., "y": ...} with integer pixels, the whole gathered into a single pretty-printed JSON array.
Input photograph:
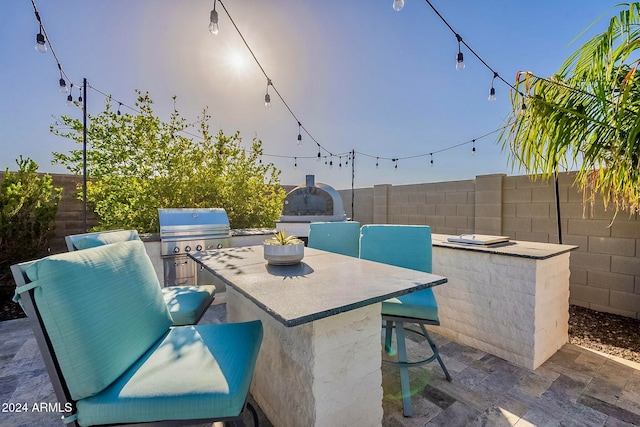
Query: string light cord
[
  {"x": 275, "y": 89},
  {"x": 46, "y": 37},
  {"x": 461, "y": 40},
  {"x": 431, "y": 153}
]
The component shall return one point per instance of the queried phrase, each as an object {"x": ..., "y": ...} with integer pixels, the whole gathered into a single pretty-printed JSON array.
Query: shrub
[
  {"x": 28, "y": 206},
  {"x": 138, "y": 163}
]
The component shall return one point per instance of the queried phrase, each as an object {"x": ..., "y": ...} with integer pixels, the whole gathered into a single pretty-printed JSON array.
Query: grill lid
[{"x": 195, "y": 217}]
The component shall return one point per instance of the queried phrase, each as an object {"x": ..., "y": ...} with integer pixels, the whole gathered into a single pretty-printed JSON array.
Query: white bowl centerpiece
[{"x": 283, "y": 249}]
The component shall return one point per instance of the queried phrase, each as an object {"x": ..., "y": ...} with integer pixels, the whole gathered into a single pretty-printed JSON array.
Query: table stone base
[{"x": 323, "y": 373}]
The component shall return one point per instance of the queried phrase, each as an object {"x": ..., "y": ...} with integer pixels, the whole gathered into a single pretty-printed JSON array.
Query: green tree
[
  {"x": 28, "y": 206},
  {"x": 586, "y": 116},
  {"x": 137, "y": 163}
]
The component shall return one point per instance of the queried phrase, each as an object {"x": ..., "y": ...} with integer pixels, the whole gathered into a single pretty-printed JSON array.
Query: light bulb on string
[
  {"x": 340, "y": 164},
  {"x": 473, "y": 147},
  {"x": 431, "y": 162},
  {"x": 395, "y": 166},
  {"x": 331, "y": 162},
  {"x": 459, "y": 56},
  {"x": 213, "y": 21},
  {"x": 41, "y": 45},
  {"x": 63, "y": 86},
  {"x": 70, "y": 97},
  {"x": 377, "y": 162},
  {"x": 119, "y": 105},
  {"x": 492, "y": 91},
  {"x": 523, "y": 109},
  {"x": 319, "y": 155},
  {"x": 299, "y": 134},
  {"x": 398, "y": 5},
  {"x": 295, "y": 163},
  {"x": 267, "y": 97}
]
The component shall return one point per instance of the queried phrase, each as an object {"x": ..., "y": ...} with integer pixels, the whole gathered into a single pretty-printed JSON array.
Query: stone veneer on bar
[{"x": 510, "y": 300}]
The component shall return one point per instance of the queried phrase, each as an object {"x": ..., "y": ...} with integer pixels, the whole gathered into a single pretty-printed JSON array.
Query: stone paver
[{"x": 575, "y": 387}]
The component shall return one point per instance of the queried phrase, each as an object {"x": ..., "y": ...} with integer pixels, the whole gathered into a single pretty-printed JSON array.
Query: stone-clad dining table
[{"x": 320, "y": 360}]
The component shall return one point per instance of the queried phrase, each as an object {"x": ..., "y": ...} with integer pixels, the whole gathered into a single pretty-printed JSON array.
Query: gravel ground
[{"x": 608, "y": 333}]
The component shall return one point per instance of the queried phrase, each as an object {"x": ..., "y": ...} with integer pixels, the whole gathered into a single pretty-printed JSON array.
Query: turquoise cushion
[
  {"x": 417, "y": 305},
  {"x": 105, "y": 238},
  {"x": 214, "y": 365},
  {"x": 407, "y": 246},
  {"x": 187, "y": 303},
  {"x": 338, "y": 237},
  {"x": 97, "y": 322}
]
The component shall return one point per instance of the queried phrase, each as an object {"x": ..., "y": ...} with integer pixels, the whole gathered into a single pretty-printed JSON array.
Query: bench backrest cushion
[
  {"x": 92, "y": 240},
  {"x": 99, "y": 324},
  {"x": 407, "y": 246}
]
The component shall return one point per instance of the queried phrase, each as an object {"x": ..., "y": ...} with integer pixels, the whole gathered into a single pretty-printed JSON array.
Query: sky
[{"x": 357, "y": 75}]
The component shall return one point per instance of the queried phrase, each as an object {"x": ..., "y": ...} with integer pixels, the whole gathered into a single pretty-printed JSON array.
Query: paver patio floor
[{"x": 575, "y": 387}]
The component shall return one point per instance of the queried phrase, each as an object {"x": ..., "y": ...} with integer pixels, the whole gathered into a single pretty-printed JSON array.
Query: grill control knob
[
  {"x": 176, "y": 250},
  {"x": 219, "y": 245},
  {"x": 187, "y": 248},
  {"x": 199, "y": 248}
]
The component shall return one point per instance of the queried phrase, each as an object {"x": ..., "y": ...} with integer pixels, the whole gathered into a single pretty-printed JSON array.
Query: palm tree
[{"x": 586, "y": 116}]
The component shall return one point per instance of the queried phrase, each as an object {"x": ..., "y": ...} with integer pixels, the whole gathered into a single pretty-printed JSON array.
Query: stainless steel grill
[{"x": 188, "y": 230}]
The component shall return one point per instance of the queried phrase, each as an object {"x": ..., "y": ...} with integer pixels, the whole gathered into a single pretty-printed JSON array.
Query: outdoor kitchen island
[
  {"x": 509, "y": 299},
  {"x": 320, "y": 360}
]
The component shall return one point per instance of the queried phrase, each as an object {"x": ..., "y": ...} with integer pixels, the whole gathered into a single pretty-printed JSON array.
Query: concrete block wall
[{"x": 605, "y": 269}]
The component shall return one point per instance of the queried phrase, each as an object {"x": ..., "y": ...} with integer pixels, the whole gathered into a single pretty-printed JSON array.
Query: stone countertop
[
  {"x": 523, "y": 249},
  {"x": 322, "y": 285}
]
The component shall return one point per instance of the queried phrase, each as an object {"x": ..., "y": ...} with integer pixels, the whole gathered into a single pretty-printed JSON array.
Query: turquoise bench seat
[
  {"x": 187, "y": 304},
  {"x": 164, "y": 385},
  {"x": 111, "y": 350}
]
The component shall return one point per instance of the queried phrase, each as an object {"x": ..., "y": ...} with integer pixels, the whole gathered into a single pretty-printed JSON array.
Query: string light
[
  {"x": 459, "y": 56},
  {"x": 119, "y": 106},
  {"x": 295, "y": 163},
  {"x": 299, "y": 134},
  {"x": 492, "y": 91},
  {"x": 395, "y": 161},
  {"x": 473, "y": 148},
  {"x": 377, "y": 162},
  {"x": 431, "y": 162},
  {"x": 267, "y": 98},
  {"x": 331, "y": 162},
  {"x": 398, "y": 5},
  {"x": 214, "y": 28},
  {"x": 319, "y": 155}
]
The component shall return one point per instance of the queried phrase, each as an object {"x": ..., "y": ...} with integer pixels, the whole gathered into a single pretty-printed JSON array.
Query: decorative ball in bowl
[{"x": 283, "y": 249}]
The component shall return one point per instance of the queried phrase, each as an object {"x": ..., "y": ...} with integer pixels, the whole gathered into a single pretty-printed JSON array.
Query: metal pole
[
  {"x": 84, "y": 151},
  {"x": 353, "y": 176},
  {"x": 555, "y": 178}
]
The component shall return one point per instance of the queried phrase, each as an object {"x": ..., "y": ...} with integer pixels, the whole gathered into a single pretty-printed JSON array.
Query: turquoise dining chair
[
  {"x": 341, "y": 237},
  {"x": 407, "y": 246}
]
